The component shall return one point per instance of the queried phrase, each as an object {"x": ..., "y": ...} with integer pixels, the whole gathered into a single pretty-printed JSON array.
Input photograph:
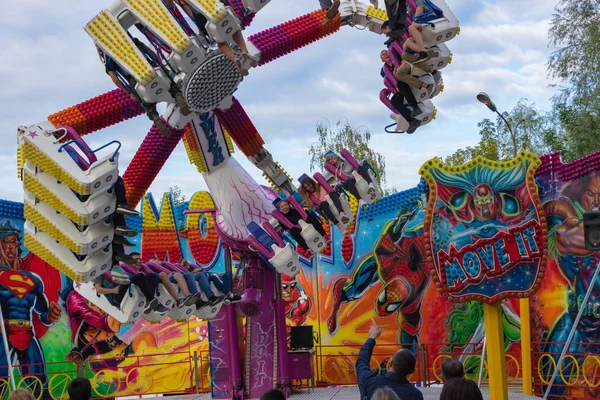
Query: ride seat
[
  {"x": 439, "y": 25},
  {"x": 280, "y": 254},
  {"x": 130, "y": 309}
]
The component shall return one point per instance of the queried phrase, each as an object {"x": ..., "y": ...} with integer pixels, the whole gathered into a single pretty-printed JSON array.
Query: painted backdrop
[{"x": 377, "y": 272}]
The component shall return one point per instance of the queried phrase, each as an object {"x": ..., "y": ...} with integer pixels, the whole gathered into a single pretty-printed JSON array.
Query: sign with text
[
  {"x": 211, "y": 140},
  {"x": 485, "y": 228}
]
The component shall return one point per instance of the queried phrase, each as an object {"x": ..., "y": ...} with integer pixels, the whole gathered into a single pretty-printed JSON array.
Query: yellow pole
[
  {"x": 492, "y": 314},
  {"x": 526, "y": 346}
]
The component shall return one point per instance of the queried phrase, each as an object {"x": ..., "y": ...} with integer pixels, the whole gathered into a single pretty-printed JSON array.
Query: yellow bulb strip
[
  {"x": 155, "y": 16},
  {"x": 45, "y": 225},
  {"x": 192, "y": 148},
  {"x": 212, "y": 9},
  {"x": 36, "y": 188},
  {"x": 108, "y": 33},
  {"x": 20, "y": 161},
  {"x": 378, "y": 13},
  {"x": 49, "y": 166},
  {"x": 48, "y": 256},
  {"x": 229, "y": 141}
]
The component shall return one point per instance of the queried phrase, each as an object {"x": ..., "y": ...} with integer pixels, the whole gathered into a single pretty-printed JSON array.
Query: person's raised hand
[{"x": 374, "y": 330}]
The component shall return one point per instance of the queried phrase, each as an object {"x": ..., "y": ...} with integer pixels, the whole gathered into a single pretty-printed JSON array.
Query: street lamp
[{"x": 485, "y": 99}]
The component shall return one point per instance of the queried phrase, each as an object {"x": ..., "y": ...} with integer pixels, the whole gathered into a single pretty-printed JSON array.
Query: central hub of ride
[{"x": 216, "y": 79}]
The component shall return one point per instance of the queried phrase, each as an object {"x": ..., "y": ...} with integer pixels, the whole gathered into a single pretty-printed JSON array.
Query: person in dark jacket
[
  {"x": 403, "y": 364},
  {"x": 294, "y": 217}
]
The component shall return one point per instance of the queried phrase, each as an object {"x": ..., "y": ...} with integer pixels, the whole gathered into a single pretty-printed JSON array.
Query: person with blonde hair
[
  {"x": 385, "y": 393},
  {"x": 310, "y": 187},
  {"x": 21, "y": 394}
]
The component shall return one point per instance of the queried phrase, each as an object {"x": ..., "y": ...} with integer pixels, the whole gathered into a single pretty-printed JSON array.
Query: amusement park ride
[{"x": 69, "y": 196}]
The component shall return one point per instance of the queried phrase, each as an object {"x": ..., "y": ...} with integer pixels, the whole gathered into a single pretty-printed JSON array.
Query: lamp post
[{"x": 485, "y": 99}]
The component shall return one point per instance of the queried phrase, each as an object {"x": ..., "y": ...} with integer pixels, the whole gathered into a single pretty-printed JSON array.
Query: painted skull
[{"x": 485, "y": 204}]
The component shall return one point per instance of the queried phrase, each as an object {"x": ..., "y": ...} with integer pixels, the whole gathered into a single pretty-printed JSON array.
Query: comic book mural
[
  {"x": 380, "y": 271},
  {"x": 568, "y": 191},
  {"x": 52, "y": 329}
]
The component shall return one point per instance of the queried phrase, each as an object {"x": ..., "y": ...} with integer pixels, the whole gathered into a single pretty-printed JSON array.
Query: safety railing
[
  {"x": 335, "y": 364},
  {"x": 135, "y": 375},
  {"x": 578, "y": 375},
  {"x": 182, "y": 372}
]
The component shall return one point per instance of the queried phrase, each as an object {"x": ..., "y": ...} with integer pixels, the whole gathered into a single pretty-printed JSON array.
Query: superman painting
[{"x": 26, "y": 310}]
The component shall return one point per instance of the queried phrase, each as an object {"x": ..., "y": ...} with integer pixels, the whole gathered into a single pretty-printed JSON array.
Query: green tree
[
  {"x": 355, "y": 140},
  {"x": 176, "y": 194},
  {"x": 536, "y": 133},
  {"x": 575, "y": 34}
]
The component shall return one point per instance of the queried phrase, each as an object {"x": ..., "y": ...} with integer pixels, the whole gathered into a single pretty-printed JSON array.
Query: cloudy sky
[{"x": 49, "y": 63}]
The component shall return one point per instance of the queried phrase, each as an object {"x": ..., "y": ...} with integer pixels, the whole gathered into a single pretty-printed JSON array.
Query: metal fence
[{"x": 170, "y": 373}]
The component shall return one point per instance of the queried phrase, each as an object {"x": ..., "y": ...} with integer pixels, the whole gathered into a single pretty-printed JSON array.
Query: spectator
[
  {"x": 451, "y": 369},
  {"x": 80, "y": 389},
  {"x": 21, "y": 394},
  {"x": 461, "y": 389},
  {"x": 403, "y": 364},
  {"x": 273, "y": 394},
  {"x": 385, "y": 393}
]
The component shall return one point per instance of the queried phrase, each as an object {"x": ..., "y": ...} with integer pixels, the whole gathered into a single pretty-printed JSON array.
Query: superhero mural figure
[
  {"x": 22, "y": 295},
  {"x": 297, "y": 303},
  {"x": 397, "y": 262},
  {"x": 466, "y": 332},
  {"x": 94, "y": 334},
  {"x": 577, "y": 265},
  {"x": 479, "y": 202}
]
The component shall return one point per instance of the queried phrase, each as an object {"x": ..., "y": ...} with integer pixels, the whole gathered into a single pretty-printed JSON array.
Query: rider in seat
[
  {"x": 115, "y": 293},
  {"x": 294, "y": 217},
  {"x": 223, "y": 284},
  {"x": 405, "y": 80},
  {"x": 120, "y": 225},
  {"x": 168, "y": 279},
  {"x": 347, "y": 169},
  {"x": 124, "y": 81},
  {"x": 237, "y": 37},
  {"x": 308, "y": 187}
]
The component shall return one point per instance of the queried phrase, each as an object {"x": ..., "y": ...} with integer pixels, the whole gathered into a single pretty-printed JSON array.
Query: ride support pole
[
  {"x": 494, "y": 335},
  {"x": 482, "y": 364},
  {"x": 573, "y": 330},
  {"x": 526, "y": 346},
  {"x": 11, "y": 373}
]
